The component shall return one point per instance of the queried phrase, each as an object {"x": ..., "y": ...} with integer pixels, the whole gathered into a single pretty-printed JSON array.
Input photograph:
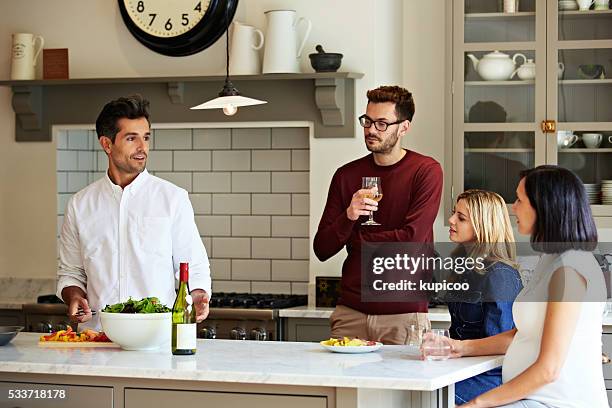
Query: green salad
[{"x": 146, "y": 305}]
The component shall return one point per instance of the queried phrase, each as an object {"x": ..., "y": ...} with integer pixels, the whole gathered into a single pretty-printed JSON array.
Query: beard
[
  {"x": 126, "y": 166},
  {"x": 385, "y": 145}
]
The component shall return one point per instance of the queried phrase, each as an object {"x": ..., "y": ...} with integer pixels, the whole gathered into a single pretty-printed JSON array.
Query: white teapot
[
  {"x": 495, "y": 66},
  {"x": 526, "y": 71}
]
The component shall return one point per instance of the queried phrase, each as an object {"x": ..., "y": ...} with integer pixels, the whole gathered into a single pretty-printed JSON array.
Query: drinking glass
[
  {"x": 415, "y": 336},
  {"x": 435, "y": 345},
  {"x": 370, "y": 183}
]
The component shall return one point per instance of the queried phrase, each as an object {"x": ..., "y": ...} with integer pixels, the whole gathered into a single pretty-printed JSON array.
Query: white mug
[
  {"x": 24, "y": 54},
  {"x": 560, "y": 70},
  {"x": 592, "y": 140},
  {"x": 601, "y": 4},
  {"x": 565, "y": 138},
  {"x": 244, "y": 51},
  {"x": 585, "y": 4}
]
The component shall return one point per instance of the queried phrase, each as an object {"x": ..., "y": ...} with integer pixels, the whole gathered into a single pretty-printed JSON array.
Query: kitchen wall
[
  {"x": 248, "y": 187},
  {"x": 390, "y": 41}
]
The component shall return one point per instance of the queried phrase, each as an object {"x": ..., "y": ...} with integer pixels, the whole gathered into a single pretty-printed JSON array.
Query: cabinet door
[
  {"x": 497, "y": 110},
  {"x": 138, "y": 398},
  {"x": 26, "y": 395},
  {"x": 580, "y": 98}
]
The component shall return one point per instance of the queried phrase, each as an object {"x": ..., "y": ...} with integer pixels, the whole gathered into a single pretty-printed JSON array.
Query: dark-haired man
[
  {"x": 126, "y": 234},
  {"x": 412, "y": 186}
]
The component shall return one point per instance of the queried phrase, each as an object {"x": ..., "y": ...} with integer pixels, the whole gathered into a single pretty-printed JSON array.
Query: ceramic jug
[
  {"x": 24, "y": 54},
  {"x": 244, "y": 51},
  {"x": 281, "y": 53},
  {"x": 526, "y": 71}
]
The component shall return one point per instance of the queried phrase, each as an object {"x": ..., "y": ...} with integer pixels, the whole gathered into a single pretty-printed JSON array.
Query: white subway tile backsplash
[
  {"x": 279, "y": 160},
  {"x": 250, "y": 269},
  {"x": 67, "y": 160},
  {"x": 86, "y": 161},
  {"x": 62, "y": 200},
  {"x": 273, "y": 204},
  {"x": 239, "y": 160},
  {"x": 251, "y": 138},
  {"x": 62, "y": 139},
  {"x": 173, "y": 139},
  {"x": 299, "y": 288},
  {"x": 220, "y": 269},
  {"x": 215, "y": 182},
  {"x": 290, "y": 138},
  {"x": 207, "y": 241},
  {"x": 300, "y": 248},
  {"x": 250, "y": 226},
  {"x": 294, "y": 182},
  {"x": 60, "y": 222},
  {"x": 300, "y": 160},
  {"x": 231, "y": 204},
  {"x": 300, "y": 204},
  {"x": 183, "y": 180},
  {"x": 192, "y": 161},
  {"x": 201, "y": 203},
  {"x": 78, "y": 140},
  {"x": 271, "y": 287},
  {"x": 231, "y": 247},
  {"x": 214, "y": 225},
  {"x": 294, "y": 271},
  {"x": 159, "y": 160},
  {"x": 212, "y": 139},
  {"x": 62, "y": 182},
  {"x": 77, "y": 181},
  {"x": 231, "y": 286},
  {"x": 243, "y": 182},
  {"x": 271, "y": 248},
  {"x": 290, "y": 226}
]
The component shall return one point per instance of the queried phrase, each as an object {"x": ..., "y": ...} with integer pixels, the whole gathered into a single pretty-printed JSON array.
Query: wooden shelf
[
  {"x": 585, "y": 82},
  {"x": 500, "y": 83},
  {"x": 523, "y": 15},
  {"x": 585, "y": 150},
  {"x": 498, "y": 150}
]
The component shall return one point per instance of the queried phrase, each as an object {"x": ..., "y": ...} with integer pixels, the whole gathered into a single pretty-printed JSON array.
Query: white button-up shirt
[{"x": 117, "y": 243}]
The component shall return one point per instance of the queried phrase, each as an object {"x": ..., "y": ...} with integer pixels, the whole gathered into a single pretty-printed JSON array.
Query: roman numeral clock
[{"x": 177, "y": 27}]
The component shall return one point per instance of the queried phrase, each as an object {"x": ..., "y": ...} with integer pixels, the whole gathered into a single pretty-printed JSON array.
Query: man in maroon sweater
[{"x": 411, "y": 185}]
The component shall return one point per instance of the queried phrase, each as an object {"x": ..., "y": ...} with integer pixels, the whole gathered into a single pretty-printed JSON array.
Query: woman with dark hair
[{"x": 553, "y": 356}]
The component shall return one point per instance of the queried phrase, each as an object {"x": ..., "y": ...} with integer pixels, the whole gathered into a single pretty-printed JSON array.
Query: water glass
[
  {"x": 415, "y": 336},
  {"x": 436, "y": 345}
]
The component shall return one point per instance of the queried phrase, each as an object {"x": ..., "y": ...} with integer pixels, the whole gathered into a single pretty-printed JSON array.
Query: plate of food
[
  {"x": 70, "y": 338},
  {"x": 351, "y": 346}
]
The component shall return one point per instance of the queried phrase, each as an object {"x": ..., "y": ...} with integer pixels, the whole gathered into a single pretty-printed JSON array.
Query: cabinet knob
[{"x": 549, "y": 126}]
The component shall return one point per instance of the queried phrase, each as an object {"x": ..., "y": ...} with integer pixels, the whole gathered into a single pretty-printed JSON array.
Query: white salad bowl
[{"x": 137, "y": 331}]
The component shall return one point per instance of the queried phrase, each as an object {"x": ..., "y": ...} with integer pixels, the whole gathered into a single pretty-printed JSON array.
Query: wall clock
[{"x": 177, "y": 27}]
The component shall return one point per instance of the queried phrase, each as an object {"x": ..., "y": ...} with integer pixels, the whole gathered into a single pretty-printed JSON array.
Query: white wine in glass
[{"x": 370, "y": 183}]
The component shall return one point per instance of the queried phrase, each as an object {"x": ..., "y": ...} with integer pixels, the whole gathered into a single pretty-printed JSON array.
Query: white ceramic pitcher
[
  {"x": 281, "y": 54},
  {"x": 244, "y": 51},
  {"x": 24, "y": 54}
]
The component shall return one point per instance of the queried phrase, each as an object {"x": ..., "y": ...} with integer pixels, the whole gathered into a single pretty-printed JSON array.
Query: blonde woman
[{"x": 481, "y": 226}]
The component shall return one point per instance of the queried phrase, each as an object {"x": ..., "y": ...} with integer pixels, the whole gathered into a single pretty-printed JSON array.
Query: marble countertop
[
  {"x": 436, "y": 314},
  {"x": 284, "y": 363}
]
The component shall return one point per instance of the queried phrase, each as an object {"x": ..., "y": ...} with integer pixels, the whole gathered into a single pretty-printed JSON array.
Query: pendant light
[{"x": 229, "y": 98}]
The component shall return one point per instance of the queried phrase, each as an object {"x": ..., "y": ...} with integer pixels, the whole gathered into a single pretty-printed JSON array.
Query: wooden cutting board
[{"x": 77, "y": 344}]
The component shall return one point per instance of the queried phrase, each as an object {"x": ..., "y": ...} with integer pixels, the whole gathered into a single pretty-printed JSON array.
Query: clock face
[
  {"x": 164, "y": 18},
  {"x": 177, "y": 27}
]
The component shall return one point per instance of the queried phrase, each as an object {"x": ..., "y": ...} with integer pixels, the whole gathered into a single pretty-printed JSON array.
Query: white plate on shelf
[{"x": 352, "y": 349}]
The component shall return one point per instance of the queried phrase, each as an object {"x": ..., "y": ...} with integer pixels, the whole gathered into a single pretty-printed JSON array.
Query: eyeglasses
[{"x": 381, "y": 126}]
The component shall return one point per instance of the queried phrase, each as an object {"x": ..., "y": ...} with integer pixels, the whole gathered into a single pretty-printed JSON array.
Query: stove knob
[
  {"x": 44, "y": 327},
  {"x": 259, "y": 334},
  {"x": 61, "y": 326},
  {"x": 238, "y": 333},
  {"x": 208, "y": 332}
]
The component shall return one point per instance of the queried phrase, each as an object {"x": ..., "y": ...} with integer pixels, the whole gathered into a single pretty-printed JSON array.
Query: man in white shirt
[{"x": 126, "y": 234}]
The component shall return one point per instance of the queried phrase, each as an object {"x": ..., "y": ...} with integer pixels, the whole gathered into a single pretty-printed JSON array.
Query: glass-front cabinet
[{"x": 530, "y": 86}]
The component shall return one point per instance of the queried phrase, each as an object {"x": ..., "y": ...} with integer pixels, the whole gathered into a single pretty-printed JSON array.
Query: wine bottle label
[{"x": 186, "y": 336}]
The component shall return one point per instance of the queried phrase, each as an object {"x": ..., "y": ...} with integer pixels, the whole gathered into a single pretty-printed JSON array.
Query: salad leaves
[{"x": 146, "y": 305}]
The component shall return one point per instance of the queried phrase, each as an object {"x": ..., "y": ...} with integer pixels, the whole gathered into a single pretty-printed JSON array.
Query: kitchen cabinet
[
  {"x": 503, "y": 125},
  {"x": 11, "y": 317},
  {"x": 66, "y": 396}
]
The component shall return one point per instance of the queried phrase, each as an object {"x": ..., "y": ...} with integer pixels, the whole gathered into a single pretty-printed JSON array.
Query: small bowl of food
[
  {"x": 8, "y": 333},
  {"x": 138, "y": 324}
]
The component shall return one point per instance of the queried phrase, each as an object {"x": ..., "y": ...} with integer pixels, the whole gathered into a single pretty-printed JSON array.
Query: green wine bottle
[{"x": 183, "y": 317}]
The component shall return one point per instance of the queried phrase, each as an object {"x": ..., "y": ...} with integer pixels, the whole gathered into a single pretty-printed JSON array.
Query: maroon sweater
[{"x": 411, "y": 190}]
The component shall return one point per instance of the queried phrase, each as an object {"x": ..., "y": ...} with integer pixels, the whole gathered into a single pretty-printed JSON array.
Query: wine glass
[
  {"x": 369, "y": 183},
  {"x": 435, "y": 345}
]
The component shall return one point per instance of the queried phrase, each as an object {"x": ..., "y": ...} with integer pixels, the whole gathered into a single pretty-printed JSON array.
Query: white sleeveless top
[{"x": 580, "y": 383}]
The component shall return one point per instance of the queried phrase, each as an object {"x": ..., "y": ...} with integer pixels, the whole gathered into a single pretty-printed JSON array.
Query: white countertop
[
  {"x": 436, "y": 314},
  {"x": 285, "y": 363}
]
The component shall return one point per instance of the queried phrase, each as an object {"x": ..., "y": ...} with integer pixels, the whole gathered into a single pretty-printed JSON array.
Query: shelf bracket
[
  {"x": 176, "y": 92},
  {"x": 27, "y": 104},
  {"x": 330, "y": 99}
]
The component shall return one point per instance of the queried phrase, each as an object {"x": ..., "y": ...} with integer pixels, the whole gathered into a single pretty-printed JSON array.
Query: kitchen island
[{"x": 230, "y": 373}]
